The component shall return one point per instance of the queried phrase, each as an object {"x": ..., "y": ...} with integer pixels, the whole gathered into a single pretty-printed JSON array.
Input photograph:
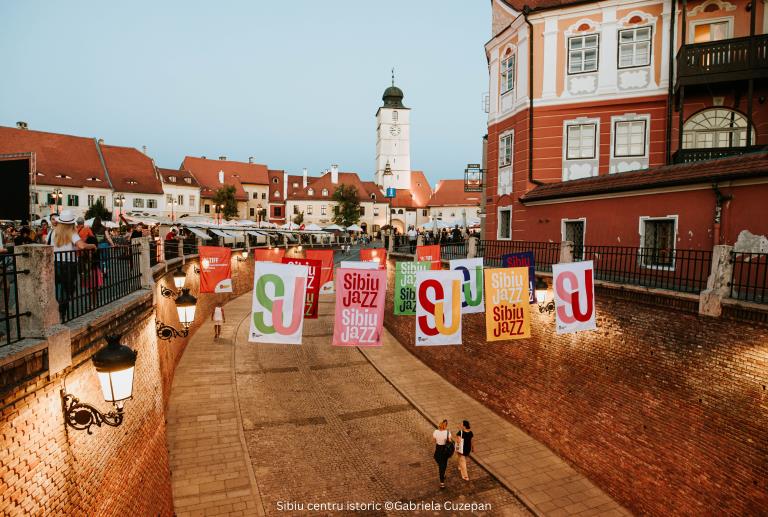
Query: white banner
[
  {"x": 574, "y": 296},
  {"x": 472, "y": 295},
  {"x": 351, "y": 264},
  {"x": 277, "y": 314},
  {"x": 438, "y": 307}
]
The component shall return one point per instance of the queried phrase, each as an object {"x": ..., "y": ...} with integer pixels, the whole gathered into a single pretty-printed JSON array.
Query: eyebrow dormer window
[
  {"x": 64, "y": 176},
  {"x": 93, "y": 178},
  {"x": 188, "y": 180},
  {"x": 310, "y": 192},
  {"x": 172, "y": 179},
  {"x": 325, "y": 191},
  {"x": 131, "y": 181}
]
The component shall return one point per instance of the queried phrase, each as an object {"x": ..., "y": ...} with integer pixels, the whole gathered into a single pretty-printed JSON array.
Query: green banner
[{"x": 405, "y": 286}]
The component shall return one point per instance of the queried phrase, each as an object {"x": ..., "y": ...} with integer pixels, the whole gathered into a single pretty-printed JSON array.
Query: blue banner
[{"x": 523, "y": 259}]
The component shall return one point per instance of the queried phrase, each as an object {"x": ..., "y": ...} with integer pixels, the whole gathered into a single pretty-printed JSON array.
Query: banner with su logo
[
  {"x": 509, "y": 313},
  {"x": 438, "y": 307},
  {"x": 523, "y": 259},
  {"x": 374, "y": 255},
  {"x": 326, "y": 276},
  {"x": 277, "y": 314},
  {"x": 405, "y": 286},
  {"x": 269, "y": 255},
  {"x": 472, "y": 286},
  {"x": 574, "y": 296},
  {"x": 215, "y": 269},
  {"x": 360, "y": 295},
  {"x": 313, "y": 284},
  {"x": 429, "y": 253}
]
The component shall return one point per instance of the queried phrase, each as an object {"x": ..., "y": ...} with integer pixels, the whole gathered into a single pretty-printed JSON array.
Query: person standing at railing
[
  {"x": 66, "y": 242},
  {"x": 412, "y": 235}
]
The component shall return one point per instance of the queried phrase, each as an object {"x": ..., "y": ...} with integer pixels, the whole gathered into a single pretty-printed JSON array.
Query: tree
[
  {"x": 98, "y": 209},
  {"x": 347, "y": 210},
  {"x": 298, "y": 218},
  {"x": 226, "y": 196}
]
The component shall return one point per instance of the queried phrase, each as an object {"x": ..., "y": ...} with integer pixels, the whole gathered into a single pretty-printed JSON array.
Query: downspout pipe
[
  {"x": 671, "y": 89},
  {"x": 526, "y": 11},
  {"x": 720, "y": 199}
]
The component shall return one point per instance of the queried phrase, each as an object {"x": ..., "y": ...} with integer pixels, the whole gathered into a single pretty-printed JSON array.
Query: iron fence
[
  {"x": 154, "y": 252},
  {"x": 407, "y": 249},
  {"x": 544, "y": 253},
  {"x": 676, "y": 270},
  {"x": 749, "y": 279},
  {"x": 87, "y": 280},
  {"x": 190, "y": 246},
  {"x": 453, "y": 250},
  {"x": 10, "y": 312}
]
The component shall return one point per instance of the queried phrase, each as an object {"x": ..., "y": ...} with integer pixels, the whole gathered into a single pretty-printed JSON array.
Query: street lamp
[
  {"x": 57, "y": 195},
  {"x": 179, "y": 278},
  {"x": 542, "y": 293},
  {"x": 119, "y": 202},
  {"x": 243, "y": 256},
  {"x": 185, "y": 307},
  {"x": 114, "y": 365}
]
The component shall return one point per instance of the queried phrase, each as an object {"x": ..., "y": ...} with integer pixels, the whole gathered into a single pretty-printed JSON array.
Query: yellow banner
[{"x": 507, "y": 305}]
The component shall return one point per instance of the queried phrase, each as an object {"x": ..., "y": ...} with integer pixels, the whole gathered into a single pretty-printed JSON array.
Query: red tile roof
[
  {"x": 749, "y": 165},
  {"x": 451, "y": 193},
  {"x": 130, "y": 170},
  {"x": 235, "y": 173},
  {"x": 324, "y": 182},
  {"x": 417, "y": 197},
  {"x": 276, "y": 187},
  {"x": 180, "y": 174},
  {"x": 61, "y": 160},
  {"x": 537, "y": 5}
]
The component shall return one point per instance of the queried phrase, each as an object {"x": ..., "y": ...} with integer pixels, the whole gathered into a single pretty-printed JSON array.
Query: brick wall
[{"x": 665, "y": 410}]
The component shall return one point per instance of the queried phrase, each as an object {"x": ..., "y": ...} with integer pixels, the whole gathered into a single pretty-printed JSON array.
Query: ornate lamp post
[
  {"x": 119, "y": 202},
  {"x": 185, "y": 306},
  {"x": 542, "y": 294},
  {"x": 57, "y": 195}
]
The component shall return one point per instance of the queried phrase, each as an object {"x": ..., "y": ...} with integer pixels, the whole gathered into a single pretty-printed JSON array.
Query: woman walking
[
  {"x": 464, "y": 448},
  {"x": 218, "y": 319},
  {"x": 443, "y": 449}
]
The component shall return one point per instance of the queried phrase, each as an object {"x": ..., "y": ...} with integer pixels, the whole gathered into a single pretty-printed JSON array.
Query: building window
[
  {"x": 73, "y": 200},
  {"x": 172, "y": 179},
  {"x": 325, "y": 192},
  {"x": 275, "y": 180},
  {"x": 192, "y": 201},
  {"x": 505, "y": 150},
  {"x": 635, "y": 47},
  {"x": 393, "y": 211},
  {"x": 254, "y": 195},
  {"x": 34, "y": 197},
  {"x": 504, "y": 231},
  {"x": 253, "y": 212},
  {"x": 424, "y": 213},
  {"x": 169, "y": 199},
  {"x": 295, "y": 209},
  {"x": 278, "y": 211},
  {"x": 138, "y": 202},
  {"x": 581, "y": 141},
  {"x": 53, "y": 201},
  {"x": 582, "y": 54},
  {"x": 323, "y": 209},
  {"x": 91, "y": 199},
  {"x": 629, "y": 138},
  {"x": 188, "y": 180},
  {"x": 657, "y": 241},
  {"x": 263, "y": 195},
  {"x": 277, "y": 193},
  {"x": 311, "y": 192},
  {"x": 295, "y": 185},
  {"x": 400, "y": 211},
  {"x": 394, "y": 116},
  {"x": 362, "y": 211},
  {"x": 508, "y": 73},
  {"x": 716, "y": 127},
  {"x": 309, "y": 209},
  {"x": 151, "y": 203},
  {"x": 706, "y": 31},
  {"x": 207, "y": 208},
  {"x": 375, "y": 211},
  {"x": 103, "y": 200}
]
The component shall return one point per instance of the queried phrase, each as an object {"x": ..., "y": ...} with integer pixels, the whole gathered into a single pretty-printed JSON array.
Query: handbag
[{"x": 449, "y": 447}]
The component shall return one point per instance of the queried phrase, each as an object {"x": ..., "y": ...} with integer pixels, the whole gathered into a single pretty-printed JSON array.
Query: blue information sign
[{"x": 391, "y": 192}]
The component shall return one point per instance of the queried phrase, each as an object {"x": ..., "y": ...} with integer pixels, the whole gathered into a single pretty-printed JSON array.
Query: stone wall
[{"x": 664, "y": 409}]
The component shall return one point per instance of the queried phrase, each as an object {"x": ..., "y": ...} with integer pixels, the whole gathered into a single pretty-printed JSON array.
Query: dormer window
[
  {"x": 373, "y": 196},
  {"x": 172, "y": 179},
  {"x": 188, "y": 180},
  {"x": 325, "y": 191},
  {"x": 40, "y": 174},
  {"x": 131, "y": 181},
  {"x": 64, "y": 176},
  {"x": 310, "y": 192}
]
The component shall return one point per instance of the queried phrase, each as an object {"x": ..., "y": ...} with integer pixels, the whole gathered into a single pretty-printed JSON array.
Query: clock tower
[{"x": 393, "y": 149}]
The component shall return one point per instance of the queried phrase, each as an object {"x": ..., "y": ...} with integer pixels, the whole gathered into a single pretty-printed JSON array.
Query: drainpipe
[
  {"x": 671, "y": 89},
  {"x": 526, "y": 11},
  {"x": 720, "y": 198}
]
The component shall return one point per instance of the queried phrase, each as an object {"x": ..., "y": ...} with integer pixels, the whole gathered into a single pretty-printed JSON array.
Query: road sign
[{"x": 391, "y": 192}]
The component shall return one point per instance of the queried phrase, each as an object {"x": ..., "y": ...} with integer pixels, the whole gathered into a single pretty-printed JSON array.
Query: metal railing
[
  {"x": 713, "y": 153},
  {"x": 10, "y": 313},
  {"x": 745, "y": 55},
  {"x": 544, "y": 253},
  {"x": 749, "y": 279},
  {"x": 87, "y": 280},
  {"x": 190, "y": 246},
  {"x": 154, "y": 253},
  {"x": 453, "y": 250},
  {"x": 677, "y": 270}
]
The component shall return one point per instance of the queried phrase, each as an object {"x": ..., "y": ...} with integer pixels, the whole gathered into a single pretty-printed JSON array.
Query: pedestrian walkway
[{"x": 543, "y": 481}]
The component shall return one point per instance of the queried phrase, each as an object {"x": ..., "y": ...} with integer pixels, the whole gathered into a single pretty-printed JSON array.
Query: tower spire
[{"x": 393, "y": 76}]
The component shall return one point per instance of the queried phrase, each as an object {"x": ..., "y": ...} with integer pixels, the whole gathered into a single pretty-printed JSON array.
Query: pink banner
[{"x": 359, "y": 307}]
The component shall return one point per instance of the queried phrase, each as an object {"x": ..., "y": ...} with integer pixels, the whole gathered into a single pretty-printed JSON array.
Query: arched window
[
  {"x": 277, "y": 193},
  {"x": 325, "y": 191},
  {"x": 716, "y": 127},
  {"x": 310, "y": 192}
]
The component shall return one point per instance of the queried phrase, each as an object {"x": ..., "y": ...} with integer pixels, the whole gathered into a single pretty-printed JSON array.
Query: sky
[{"x": 293, "y": 83}]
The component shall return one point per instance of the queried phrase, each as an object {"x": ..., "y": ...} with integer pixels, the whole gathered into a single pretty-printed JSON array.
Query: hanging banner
[
  {"x": 472, "y": 286},
  {"x": 279, "y": 291},
  {"x": 438, "y": 307},
  {"x": 509, "y": 313},
  {"x": 360, "y": 296},
  {"x": 269, "y": 255},
  {"x": 352, "y": 264},
  {"x": 326, "y": 275},
  {"x": 374, "y": 255},
  {"x": 405, "y": 286},
  {"x": 573, "y": 284},
  {"x": 215, "y": 269},
  {"x": 523, "y": 259},
  {"x": 430, "y": 253},
  {"x": 312, "y": 298}
]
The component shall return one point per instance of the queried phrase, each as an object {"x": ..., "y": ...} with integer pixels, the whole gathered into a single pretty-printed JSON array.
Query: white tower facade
[{"x": 393, "y": 136}]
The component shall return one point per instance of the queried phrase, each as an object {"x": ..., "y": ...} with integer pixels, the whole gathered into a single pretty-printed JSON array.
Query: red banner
[
  {"x": 269, "y": 255},
  {"x": 374, "y": 255},
  {"x": 215, "y": 269},
  {"x": 359, "y": 307},
  {"x": 326, "y": 274},
  {"x": 312, "y": 297},
  {"x": 430, "y": 254}
]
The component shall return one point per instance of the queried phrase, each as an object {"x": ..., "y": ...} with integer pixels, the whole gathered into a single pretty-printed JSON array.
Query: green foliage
[
  {"x": 226, "y": 196},
  {"x": 98, "y": 209},
  {"x": 347, "y": 211}
]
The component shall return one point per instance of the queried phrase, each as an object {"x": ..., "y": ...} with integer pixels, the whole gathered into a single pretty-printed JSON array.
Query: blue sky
[{"x": 294, "y": 84}]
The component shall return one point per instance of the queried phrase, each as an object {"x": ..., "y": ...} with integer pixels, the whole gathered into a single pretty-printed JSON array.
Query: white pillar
[
  {"x": 551, "y": 31},
  {"x": 608, "y": 52},
  {"x": 665, "y": 43}
]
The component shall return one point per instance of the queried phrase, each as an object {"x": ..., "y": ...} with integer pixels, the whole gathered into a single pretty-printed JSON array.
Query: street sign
[{"x": 391, "y": 192}]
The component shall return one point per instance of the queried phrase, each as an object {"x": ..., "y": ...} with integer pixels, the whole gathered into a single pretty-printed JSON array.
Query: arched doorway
[{"x": 716, "y": 127}]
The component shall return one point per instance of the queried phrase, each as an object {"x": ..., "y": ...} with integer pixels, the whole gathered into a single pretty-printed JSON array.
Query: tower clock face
[{"x": 394, "y": 130}]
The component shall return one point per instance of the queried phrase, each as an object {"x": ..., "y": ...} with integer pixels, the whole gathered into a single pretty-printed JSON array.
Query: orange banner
[
  {"x": 430, "y": 254},
  {"x": 269, "y": 255},
  {"x": 215, "y": 269},
  {"x": 326, "y": 275},
  {"x": 374, "y": 255}
]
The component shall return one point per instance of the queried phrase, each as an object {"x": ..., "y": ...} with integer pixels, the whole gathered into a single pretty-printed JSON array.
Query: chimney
[
  {"x": 334, "y": 174},
  {"x": 250, "y": 159},
  {"x": 222, "y": 158},
  {"x": 304, "y": 182},
  {"x": 21, "y": 124},
  {"x": 221, "y": 177},
  {"x": 101, "y": 141},
  {"x": 144, "y": 149}
]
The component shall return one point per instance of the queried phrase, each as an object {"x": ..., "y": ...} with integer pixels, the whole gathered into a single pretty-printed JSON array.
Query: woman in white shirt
[
  {"x": 441, "y": 437},
  {"x": 65, "y": 239}
]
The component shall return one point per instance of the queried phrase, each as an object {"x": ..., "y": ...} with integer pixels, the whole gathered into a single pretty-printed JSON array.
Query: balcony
[
  {"x": 713, "y": 153},
  {"x": 725, "y": 60}
]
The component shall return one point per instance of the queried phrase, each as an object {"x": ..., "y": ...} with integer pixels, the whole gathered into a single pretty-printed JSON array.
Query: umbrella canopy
[
  {"x": 290, "y": 226},
  {"x": 354, "y": 228},
  {"x": 267, "y": 224},
  {"x": 435, "y": 225},
  {"x": 334, "y": 227},
  {"x": 312, "y": 227}
]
